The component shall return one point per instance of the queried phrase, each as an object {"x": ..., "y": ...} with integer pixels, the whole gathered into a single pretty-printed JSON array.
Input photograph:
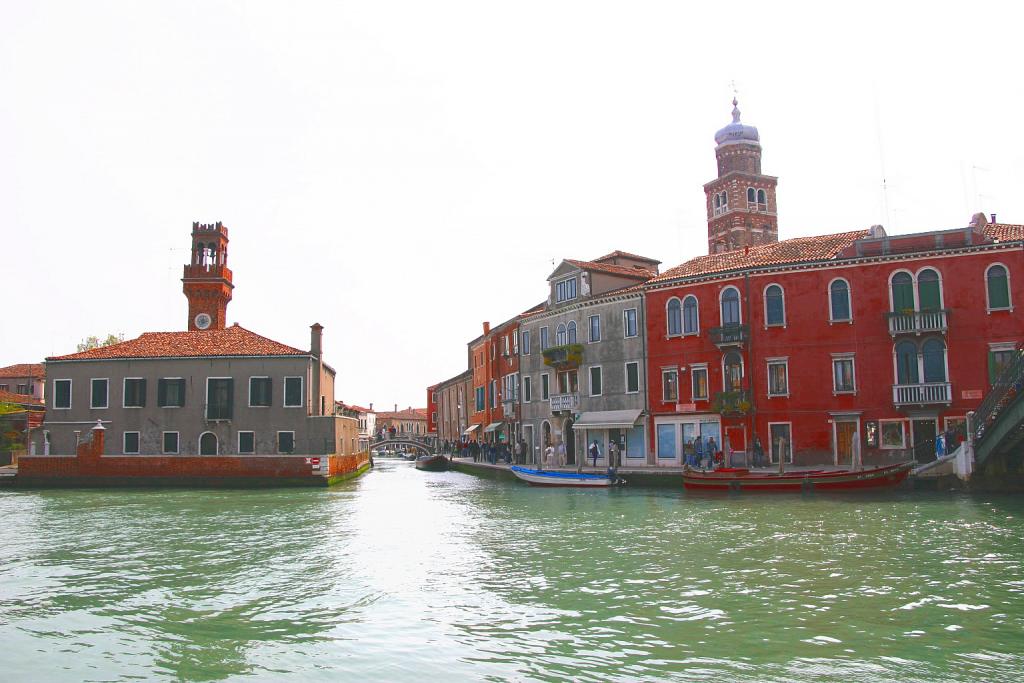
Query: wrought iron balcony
[
  {"x": 561, "y": 402},
  {"x": 732, "y": 402},
  {"x": 563, "y": 357},
  {"x": 918, "y": 322},
  {"x": 927, "y": 393},
  {"x": 729, "y": 335}
]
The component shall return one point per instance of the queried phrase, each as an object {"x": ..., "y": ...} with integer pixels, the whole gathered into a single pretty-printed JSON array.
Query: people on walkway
[
  {"x": 758, "y": 452},
  {"x": 595, "y": 452},
  {"x": 549, "y": 456},
  {"x": 613, "y": 454}
]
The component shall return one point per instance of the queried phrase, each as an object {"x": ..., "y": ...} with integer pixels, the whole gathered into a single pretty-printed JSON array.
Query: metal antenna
[{"x": 881, "y": 157}]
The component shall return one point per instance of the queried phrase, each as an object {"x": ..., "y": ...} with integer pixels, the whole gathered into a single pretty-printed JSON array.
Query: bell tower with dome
[
  {"x": 207, "y": 279},
  {"x": 741, "y": 201}
]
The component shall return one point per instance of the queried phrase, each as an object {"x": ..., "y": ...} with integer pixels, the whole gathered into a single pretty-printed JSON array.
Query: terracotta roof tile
[
  {"x": 24, "y": 370},
  {"x": 231, "y": 341},
  {"x": 407, "y": 414},
  {"x": 797, "y": 250},
  {"x": 1004, "y": 232},
  {"x": 20, "y": 399},
  {"x": 636, "y": 273},
  {"x": 626, "y": 254}
]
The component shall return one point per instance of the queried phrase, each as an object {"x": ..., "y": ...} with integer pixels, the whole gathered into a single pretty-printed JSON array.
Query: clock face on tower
[{"x": 203, "y": 321}]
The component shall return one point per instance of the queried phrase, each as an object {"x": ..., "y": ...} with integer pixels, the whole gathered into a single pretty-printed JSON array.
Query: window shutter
[
  {"x": 991, "y": 368},
  {"x": 142, "y": 393},
  {"x": 161, "y": 392},
  {"x": 229, "y": 408}
]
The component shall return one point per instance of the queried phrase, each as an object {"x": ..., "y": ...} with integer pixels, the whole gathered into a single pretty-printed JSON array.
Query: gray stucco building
[{"x": 582, "y": 362}]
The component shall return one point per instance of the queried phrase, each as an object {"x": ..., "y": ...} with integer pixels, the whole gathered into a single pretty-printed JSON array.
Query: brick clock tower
[
  {"x": 741, "y": 201},
  {"x": 207, "y": 279}
]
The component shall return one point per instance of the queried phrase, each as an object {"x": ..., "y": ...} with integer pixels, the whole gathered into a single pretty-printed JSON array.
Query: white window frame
[
  {"x": 670, "y": 371},
  {"x": 238, "y": 441},
  {"x": 527, "y": 389},
  {"x": 163, "y": 443},
  {"x": 668, "y": 330},
  {"x": 625, "y": 376},
  {"x": 572, "y": 332},
  {"x": 199, "y": 441},
  {"x": 277, "y": 441},
  {"x": 769, "y": 362},
  {"x": 124, "y": 393},
  {"x": 590, "y": 329},
  {"x": 544, "y": 335},
  {"x": 562, "y": 283},
  {"x": 625, "y": 323},
  {"x": 739, "y": 304},
  {"x": 913, "y": 289},
  {"x": 771, "y": 446},
  {"x": 251, "y": 378},
  {"x": 853, "y": 368},
  {"x": 695, "y": 368},
  {"x": 764, "y": 297},
  {"x": 903, "y": 432},
  {"x": 302, "y": 391},
  {"x": 545, "y": 384},
  {"x": 849, "y": 300},
  {"x": 71, "y": 386},
  {"x": 526, "y": 348},
  {"x": 590, "y": 379},
  {"x": 158, "y": 393},
  {"x": 1009, "y": 288},
  {"x": 942, "y": 294},
  {"x": 696, "y": 301},
  {"x": 206, "y": 408},
  {"x": 124, "y": 439},
  {"x": 106, "y": 400},
  {"x": 743, "y": 371}
]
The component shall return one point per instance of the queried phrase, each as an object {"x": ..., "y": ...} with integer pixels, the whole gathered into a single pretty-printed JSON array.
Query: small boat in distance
[
  {"x": 742, "y": 479},
  {"x": 432, "y": 463},
  {"x": 548, "y": 478}
]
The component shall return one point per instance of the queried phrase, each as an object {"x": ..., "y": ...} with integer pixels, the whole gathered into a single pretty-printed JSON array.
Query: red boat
[{"x": 742, "y": 479}]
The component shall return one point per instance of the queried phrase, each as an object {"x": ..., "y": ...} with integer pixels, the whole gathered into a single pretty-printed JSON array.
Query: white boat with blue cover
[{"x": 549, "y": 478}]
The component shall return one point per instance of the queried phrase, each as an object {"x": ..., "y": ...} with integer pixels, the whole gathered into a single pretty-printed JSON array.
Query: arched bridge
[{"x": 418, "y": 442}]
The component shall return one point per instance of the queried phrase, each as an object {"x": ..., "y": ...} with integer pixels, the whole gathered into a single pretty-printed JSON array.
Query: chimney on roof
[
  {"x": 396, "y": 407},
  {"x": 993, "y": 221},
  {"x": 746, "y": 249},
  {"x": 371, "y": 406},
  {"x": 316, "y": 341},
  {"x": 876, "y": 232},
  {"x": 487, "y": 327},
  {"x": 978, "y": 220}
]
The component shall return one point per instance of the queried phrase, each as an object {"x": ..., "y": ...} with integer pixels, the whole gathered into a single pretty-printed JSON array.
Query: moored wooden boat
[
  {"x": 549, "y": 478},
  {"x": 432, "y": 463},
  {"x": 740, "y": 479}
]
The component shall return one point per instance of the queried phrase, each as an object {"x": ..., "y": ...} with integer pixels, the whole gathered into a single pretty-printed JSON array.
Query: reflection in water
[{"x": 406, "y": 575}]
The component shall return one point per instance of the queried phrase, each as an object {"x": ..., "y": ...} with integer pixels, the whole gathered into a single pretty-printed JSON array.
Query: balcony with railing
[
  {"x": 563, "y": 357},
  {"x": 927, "y": 393},
  {"x": 736, "y": 402},
  {"x": 729, "y": 335},
  {"x": 918, "y": 322},
  {"x": 565, "y": 402}
]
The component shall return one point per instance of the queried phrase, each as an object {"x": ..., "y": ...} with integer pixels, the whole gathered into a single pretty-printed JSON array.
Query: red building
[
  {"x": 432, "y": 411},
  {"x": 807, "y": 342},
  {"x": 494, "y": 406}
]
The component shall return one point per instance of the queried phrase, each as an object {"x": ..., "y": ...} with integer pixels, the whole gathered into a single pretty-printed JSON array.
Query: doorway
[
  {"x": 844, "y": 432},
  {"x": 924, "y": 432},
  {"x": 568, "y": 434}
]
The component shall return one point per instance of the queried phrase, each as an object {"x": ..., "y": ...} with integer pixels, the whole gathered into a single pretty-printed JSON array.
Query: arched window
[
  {"x": 718, "y": 201},
  {"x": 906, "y": 363},
  {"x": 732, "y": 371},
  {"x": 208, "y": 443},
  {"x": 902, "y": 286},
  {"x": 751, "y": 195},
  {"x": 774, "y": 306},
  {"x": 929, "y": 294},
  {"x": 691, "y": 321},
  {"x": 674, "y": 317},
  {"x": 560, "y": 335},
  {"x": 839, "y": 300},
  {"x": 730, "y": 306},
  {"x": 997, "y": 285},
  {"x": 933, "y": 357},
  {"x": 762, "y": 198},
  {"x": 571, "y": 332}
]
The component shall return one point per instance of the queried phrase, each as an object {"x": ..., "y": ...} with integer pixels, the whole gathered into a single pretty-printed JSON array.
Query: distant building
[
  {"x": 24, "y": 379},
  {"x": 452, "y": 398},
  {"x": 214, "y": 390},
  {"x": 411, "y": 421}
]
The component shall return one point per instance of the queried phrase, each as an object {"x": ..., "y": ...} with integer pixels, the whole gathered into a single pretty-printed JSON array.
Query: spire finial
[{"x": 735, "y": 102}]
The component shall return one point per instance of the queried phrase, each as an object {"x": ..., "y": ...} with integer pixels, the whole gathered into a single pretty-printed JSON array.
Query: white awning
[
  {"x": 472, "y": 428},
  {"x": 608, "y": 419},
  {"x": 494, "y": 426}
]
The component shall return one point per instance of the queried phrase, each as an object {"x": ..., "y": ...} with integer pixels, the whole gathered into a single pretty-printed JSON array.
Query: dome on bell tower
[{"x": 736, "y": 132}]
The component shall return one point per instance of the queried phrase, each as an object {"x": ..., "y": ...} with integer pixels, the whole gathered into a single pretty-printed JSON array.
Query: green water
[{"x": 406, "y": 575}]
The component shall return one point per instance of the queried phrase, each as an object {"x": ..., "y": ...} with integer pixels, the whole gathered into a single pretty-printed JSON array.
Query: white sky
[{"x": 402, "y": 171}]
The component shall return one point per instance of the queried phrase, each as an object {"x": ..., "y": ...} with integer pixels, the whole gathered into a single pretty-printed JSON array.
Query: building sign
[
  {"x": 686, "y": 407},
  {"x": 968, "y": 394}
]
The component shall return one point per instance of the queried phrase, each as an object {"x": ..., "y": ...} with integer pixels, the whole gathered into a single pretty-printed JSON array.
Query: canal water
[{"x": 407, "y": 575}]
